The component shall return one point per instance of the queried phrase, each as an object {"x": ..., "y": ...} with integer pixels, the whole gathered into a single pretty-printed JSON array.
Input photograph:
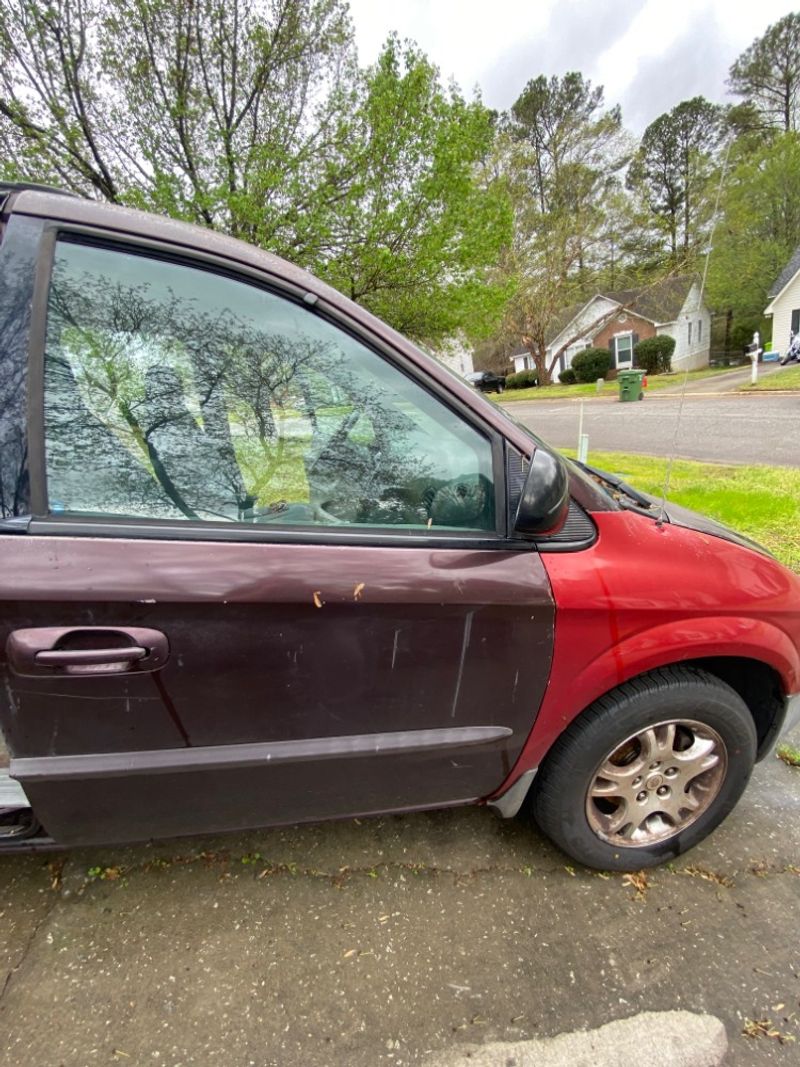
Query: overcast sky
[{"x": 648, "y": 54}]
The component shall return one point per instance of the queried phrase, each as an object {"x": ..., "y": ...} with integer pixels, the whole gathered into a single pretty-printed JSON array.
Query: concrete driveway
[
  {"x": 725, "y": 428},
  {"x": 389, "y": 941}
]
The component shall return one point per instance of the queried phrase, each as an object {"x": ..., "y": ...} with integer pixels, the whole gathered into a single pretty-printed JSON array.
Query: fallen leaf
[
  {"x": 318, "y": 601},
  {"x": 359, "y": 589},
  {"x": 350, "y": 952},
  {"x": 639, "y": 881}
]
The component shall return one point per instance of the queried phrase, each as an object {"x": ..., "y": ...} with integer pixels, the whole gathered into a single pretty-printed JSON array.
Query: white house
[
  {"x": 618, "y": 320},
  {"x": 456, "y": 355},
  {"x": 784, "y": 306}
]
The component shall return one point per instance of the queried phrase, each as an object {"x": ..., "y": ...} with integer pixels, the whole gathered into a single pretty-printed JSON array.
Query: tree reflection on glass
[{"x": 172, "y": 392}]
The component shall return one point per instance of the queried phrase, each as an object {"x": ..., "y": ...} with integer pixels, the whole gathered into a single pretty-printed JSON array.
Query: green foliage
[
  {"x": 672, "y": 169},
  {"x": 254, "y": 119},
  {"x": 790, "y": 754},
  {"x": 591, "y": 364},
  {"x": 568, "y": 377},
  {"x": 523, "y": 379},
  {"x": 575, "y": 142},
  {"x": 654, "y": 354},
  {"x": 560, "y": 150},
  {"x": 767, "y": 75},
  {"x": 421, "y": 222},
  {"x": 758, "y": 234}
]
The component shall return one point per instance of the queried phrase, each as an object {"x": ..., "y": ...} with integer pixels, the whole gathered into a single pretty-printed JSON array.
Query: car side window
[{"x": 172, "y": 392}]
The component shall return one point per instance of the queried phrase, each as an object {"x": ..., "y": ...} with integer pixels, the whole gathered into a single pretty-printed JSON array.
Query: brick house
[{"x": 618, "y": 320}]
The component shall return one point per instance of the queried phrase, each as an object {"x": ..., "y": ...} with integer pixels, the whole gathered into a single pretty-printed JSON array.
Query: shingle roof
[
  {"x": 786, "y": 275},
  {"x": 661, "y": 302}
]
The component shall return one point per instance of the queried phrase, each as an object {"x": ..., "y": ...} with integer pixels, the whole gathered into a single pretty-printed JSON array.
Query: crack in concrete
[{"x": 27, "y": 948}]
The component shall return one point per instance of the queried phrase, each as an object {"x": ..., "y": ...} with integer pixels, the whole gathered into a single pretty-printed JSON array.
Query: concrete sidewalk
[
  {"x": 718, "y": 383},
  {"x": 395, "y": 941}
]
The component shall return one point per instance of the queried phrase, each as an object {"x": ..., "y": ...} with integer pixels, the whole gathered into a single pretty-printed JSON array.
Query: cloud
[
  {"x": 574, "y": 36},
  {"x": 647, "y": 54},
  {"x": 693, "y": 65}
]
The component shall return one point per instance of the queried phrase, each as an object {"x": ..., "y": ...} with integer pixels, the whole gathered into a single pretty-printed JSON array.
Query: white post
[
  {"x": 755, "y": 352},
  {"x": 583, "y": 439}
]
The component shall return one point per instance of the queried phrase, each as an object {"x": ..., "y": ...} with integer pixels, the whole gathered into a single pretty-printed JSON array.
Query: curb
[
  {"x": 657, "y": 395},
  {"x": 659, "y": 1039}
]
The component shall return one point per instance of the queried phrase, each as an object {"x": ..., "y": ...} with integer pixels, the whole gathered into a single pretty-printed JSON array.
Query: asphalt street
[
  {"x": 726, "y": 428},
  {"x": 396, "y": 941}
]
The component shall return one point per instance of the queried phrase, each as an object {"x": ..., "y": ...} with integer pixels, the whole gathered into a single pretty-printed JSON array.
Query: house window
[
  {"x": 795, "y": 321},
  {"x": 699, "y": 330},
  {"x": 690, "y": 332},
  {"x": 623, "y": 350}
]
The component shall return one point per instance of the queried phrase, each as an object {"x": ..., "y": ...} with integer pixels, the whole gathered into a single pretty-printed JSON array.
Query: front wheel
[{"x": 647, "y": 771}]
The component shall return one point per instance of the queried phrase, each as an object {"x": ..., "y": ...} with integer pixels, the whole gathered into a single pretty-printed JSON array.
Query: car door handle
[
  {"x": 89, "y": 656},
  {"x": 106, "y": 650}
]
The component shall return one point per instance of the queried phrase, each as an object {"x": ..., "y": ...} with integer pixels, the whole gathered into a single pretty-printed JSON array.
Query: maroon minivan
[{"x": 263, "y": 561}]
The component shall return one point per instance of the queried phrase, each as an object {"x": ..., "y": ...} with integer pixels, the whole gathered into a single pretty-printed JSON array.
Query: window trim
[
  {"x": 616, "y": 338},
  {"x": 44, "y": 522}
]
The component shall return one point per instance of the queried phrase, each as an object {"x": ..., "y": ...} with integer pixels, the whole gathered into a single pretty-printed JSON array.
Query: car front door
[{"x": 266, "y": 577}]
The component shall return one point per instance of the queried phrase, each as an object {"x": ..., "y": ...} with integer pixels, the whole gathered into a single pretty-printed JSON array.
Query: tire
[
  {"x": 622, "y": 822},
  {"x": 500, "y": 387}
]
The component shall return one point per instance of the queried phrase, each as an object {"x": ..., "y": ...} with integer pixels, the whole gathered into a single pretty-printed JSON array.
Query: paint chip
[
  {"x": 318, "y": 601},
  {"x": 359, "y": 589}
]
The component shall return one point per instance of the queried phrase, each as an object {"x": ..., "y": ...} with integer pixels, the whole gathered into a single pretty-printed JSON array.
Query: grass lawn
[
  {"x": 572, "y": 392},
  {"x": 761, "y": 502},
  {"x": 787, "y": 378}
]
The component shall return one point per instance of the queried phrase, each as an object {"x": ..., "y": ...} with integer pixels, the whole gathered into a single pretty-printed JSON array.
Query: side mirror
[{"x": 544, "y": 503}]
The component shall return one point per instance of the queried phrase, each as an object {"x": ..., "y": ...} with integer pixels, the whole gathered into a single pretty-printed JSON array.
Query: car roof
[
  {"x": 16, "y": 187},
  {"x": 44, "y": 203}
]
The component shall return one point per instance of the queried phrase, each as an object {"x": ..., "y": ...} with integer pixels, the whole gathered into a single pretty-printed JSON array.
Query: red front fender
[{"x": 646, "y": 596}]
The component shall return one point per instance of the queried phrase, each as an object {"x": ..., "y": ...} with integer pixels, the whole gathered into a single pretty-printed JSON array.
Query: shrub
[
  {"x": 568, "y": 376},
  {"x": 654, "y": 354},
  {"x": 591, "y": 364},
  {"x": 522, "y": 379}
]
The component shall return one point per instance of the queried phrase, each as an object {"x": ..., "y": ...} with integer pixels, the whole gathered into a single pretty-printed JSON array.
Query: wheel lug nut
[
  {"x": 670, "y": 772},
  {"x": 637, "y": 781},
  {"x": 655, "y": 766},
  {"x": 642, "y": 795},
  {"x": 663, "y": 791}
]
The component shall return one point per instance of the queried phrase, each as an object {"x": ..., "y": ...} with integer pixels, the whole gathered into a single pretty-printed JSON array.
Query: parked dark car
[
  {"x": 264, "y": 561},
  {"x": 487, "y": 381}
]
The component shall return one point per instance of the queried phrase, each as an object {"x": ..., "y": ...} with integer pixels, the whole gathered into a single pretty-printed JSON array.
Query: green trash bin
[{"x": 630, "y": 385}]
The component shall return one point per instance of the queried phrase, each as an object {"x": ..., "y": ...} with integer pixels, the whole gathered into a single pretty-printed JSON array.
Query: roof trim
[{"x": 786, "y": 276}]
